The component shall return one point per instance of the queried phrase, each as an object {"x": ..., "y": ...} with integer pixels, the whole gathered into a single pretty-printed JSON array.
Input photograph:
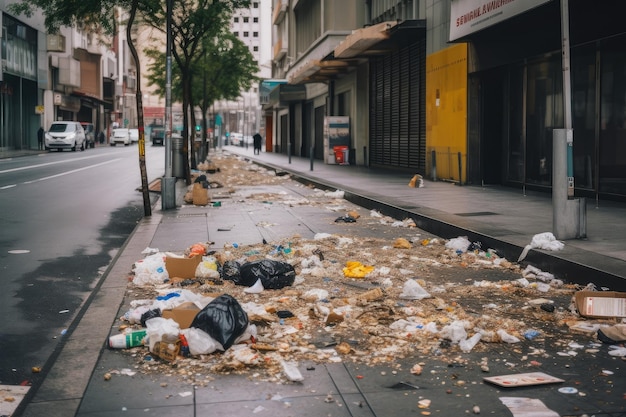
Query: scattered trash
[
  {"x": 612, "y": 334},
  {"x": 345, "y": 219},
  {"x": 600, "y": 303},
  {"x": 354, "y": 269},
  {"x": 223, "y": 319},
  {"x": 412, "y": 290},
  {"x": 416, "y": 181},
  {"x": 128, "y": 339},
  {"x": 291, "y": 371},
  {"x": 545, "y": 241},
  {"x": 522, "y": 380},
  {"x": 527, "y": 407}
]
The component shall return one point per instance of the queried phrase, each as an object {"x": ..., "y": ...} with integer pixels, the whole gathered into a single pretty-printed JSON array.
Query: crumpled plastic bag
[
  {"x": 355, "y": 269},
  {"x": 223, "y": 319},
  {"x": 200, "y": 343},
  {"x": 207, "y": 268},
  {"x": 273, "y": 274},
  {"x": 545, "y": 241},
  {"x": 414, "y": 291},
  {"x": 454, "y": 332},
  {"x": 460, "y": 244},
  {"x": 160, "y": 329},
  {"x": 150, "y": 270}
]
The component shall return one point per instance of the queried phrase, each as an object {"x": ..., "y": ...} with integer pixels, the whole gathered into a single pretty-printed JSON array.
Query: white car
[
  {"x": 121, "y": 136},
  {"x": 134, "y": 135},
  {"x": 65, "y": 135},
  {"x": 236, "y": 139}
]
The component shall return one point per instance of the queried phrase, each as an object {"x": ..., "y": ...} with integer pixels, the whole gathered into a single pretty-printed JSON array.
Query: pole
[
  {"x": 168, "y": 184},
  {"x": 568, "y": 213}
]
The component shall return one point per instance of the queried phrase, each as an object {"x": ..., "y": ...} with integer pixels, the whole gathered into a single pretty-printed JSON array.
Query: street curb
[
  {"x": 567, "y": 265},
  {"x": 71, "y": 366}
]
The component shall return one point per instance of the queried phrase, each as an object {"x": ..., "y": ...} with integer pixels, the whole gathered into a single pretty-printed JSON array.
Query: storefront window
[
  {"x": 612, "y": 147},
  {"x": 516, "y": 126},
  {"x": 583, "y": 64},
  {"x": 544, "y": 112}
]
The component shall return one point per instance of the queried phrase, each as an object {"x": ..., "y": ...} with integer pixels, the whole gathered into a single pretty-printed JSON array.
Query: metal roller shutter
[{"x": 397, "y": 109}]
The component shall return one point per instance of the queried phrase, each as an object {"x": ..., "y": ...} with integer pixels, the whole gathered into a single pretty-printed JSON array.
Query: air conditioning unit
[{"x": 55, "y": 43}]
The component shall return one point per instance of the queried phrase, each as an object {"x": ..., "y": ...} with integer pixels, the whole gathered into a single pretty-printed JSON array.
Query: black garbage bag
[
  {"x": 273, "y": 274},
  {"x": 223, "y": 319},
  {"x": 229, "y": 271}
]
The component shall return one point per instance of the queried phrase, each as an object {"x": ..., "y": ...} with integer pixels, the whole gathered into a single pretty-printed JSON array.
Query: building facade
[
  {"x": 46, "y": 77},
  {"x": 456, "y": 90},
  {"x": 250, "y": 26}
]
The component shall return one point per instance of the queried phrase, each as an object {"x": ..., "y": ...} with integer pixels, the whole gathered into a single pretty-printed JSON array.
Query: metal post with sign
[{"x": 568, "y": 213}]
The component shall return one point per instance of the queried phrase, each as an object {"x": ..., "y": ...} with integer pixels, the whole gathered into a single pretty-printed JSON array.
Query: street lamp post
[{"x": 168, "y": 183}]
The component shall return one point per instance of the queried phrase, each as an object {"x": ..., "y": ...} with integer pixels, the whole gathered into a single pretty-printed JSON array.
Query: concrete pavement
[{"x": 500, "y": 218}]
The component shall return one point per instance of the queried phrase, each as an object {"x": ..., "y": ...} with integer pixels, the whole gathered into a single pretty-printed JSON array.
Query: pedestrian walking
[
  {"x": 40, "y": 138},
  {"x": 257, "y": 143}
]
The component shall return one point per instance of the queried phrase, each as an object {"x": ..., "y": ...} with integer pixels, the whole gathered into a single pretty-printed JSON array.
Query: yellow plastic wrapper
[{"x": 355, "y": 269}]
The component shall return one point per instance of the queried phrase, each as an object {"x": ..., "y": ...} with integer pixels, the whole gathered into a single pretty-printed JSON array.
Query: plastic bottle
[{"x": 127, "y": 340}]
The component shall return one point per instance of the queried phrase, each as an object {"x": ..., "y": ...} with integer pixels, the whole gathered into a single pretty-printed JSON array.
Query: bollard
[
  {"x": 460, "y": 170},
  {"x": 433, "y": 171},
  {"x": 289, "y": 151},
  {"x": 312, "y": 149}
]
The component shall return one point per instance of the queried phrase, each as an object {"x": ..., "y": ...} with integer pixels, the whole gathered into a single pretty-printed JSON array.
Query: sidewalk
[{"x": 500, "y": 218}]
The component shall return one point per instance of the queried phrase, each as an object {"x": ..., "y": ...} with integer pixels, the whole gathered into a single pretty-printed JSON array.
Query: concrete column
[{"x": 566, "y": 213}]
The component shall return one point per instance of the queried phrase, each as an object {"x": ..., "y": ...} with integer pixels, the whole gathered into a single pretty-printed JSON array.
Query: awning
[
  {"x": 363, "y": 40},
  {"x": 320, "y": 70},
  {"x": 357, "y": 48},
  {"x": 283, "y": 94}
]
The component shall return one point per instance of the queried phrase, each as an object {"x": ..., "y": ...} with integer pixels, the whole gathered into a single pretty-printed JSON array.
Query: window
[
  {"x": 255, "y": 20},
  {"x": 255, "y": 49},
  {"x": 246, "y": 34},
  {"x": 236, "y": 20},
  {"x": 236, "y": 34},
  {"x": 255, "y": 4},
  {"x": 255, "y": 34},
  {"x": 246, "y": 19}
]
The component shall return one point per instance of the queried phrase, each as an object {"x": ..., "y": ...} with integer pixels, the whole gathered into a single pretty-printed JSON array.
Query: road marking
[
  {"x": 8, "y": 186},
  {"x": 18, "y": 251},
  {"x": 54, "y": 163},
  {"x": 71, "y": 172}
]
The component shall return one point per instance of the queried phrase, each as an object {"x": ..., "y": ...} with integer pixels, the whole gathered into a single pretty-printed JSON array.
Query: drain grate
[
  {"x": 191, "y": 215},
  {"x": 477, "y": 213}
]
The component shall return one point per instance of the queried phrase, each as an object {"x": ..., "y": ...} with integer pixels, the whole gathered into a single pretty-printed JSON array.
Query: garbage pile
[
  {"x": 260, "y": 309},
  {"x": 336, "y": 298}
]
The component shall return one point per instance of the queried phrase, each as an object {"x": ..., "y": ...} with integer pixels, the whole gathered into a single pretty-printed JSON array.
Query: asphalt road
[{"x": 63, "y": 217}]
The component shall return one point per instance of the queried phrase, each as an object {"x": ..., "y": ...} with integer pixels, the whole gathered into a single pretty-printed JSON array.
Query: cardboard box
[
  {"x": 200, "y": 195},
  {"x": 182, "y": 314},
  {"x": 182, "y": 267},
  {"x": 598, "y": 304}
]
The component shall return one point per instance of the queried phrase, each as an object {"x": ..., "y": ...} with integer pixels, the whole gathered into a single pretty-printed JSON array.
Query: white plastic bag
[
  {"x": 150, "y": 270},
  {"x": 160, "y": 329},
  {"x": 413, "y": 291},
  {"x": 200, "y": 343},
  {"x": 454, "y": 331},
  {"x": 207, "y": 269},
  {"x": 507, "y": 338},
  {"x": 468, "y": 344}
]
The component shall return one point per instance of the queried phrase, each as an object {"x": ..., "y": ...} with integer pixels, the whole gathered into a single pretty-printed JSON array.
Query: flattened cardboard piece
[
  {"x": 596, "y": 304},
  {"x": 182, "y": 314},
  {"x": 182, "y": 267},
  {"x": 522, "y": 380}
]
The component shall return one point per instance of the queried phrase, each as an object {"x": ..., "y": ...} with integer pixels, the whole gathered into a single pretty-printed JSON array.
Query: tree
[
  {"x": 224, "y": 68},
  {"x": 192, "y": 21}
]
